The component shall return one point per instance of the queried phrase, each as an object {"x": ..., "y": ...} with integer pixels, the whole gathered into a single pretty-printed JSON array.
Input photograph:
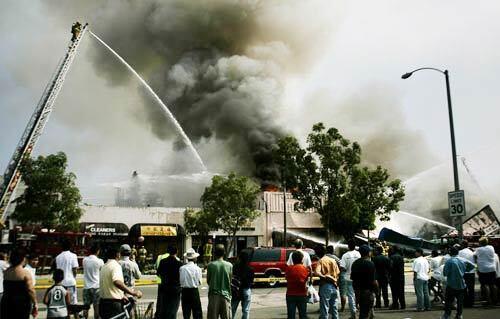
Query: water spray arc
[
  {"x": 426, "y": 219},
  {"x": 169, "y": 114}
]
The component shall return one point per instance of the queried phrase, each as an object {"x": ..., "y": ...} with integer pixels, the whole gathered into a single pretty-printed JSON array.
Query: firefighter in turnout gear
[{"x": 76, "y": 28}]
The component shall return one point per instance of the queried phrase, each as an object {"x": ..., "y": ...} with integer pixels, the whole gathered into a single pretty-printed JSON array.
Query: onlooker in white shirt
[
  {"x": 3, "y": 266},
  {"x": 497, "y": 267},
  {"x": 32, "y": 263},
  {"x": 68, "y": 262},
  {"x": 91, "y": 268},
  {"x": 469, "y": 276},
  {"x": 420, "y": 280},
  {"x": 435, "y": 263},
  {"x": 346, "y": 262},
  {"x": 435, "y": 280},
  {"x": 190, "y": 280},
  {"x": 306, "y": 260},
  {"x": 485, "y": 259}
]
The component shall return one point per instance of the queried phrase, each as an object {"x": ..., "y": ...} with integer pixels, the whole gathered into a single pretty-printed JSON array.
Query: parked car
[{"x": 270, "y": 262}]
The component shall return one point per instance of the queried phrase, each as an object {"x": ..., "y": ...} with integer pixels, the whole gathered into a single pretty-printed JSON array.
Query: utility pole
[
  {"x": 453, "y": 151},
  {"x": 458, "y": 219},
  {"x": 284, "y": 214}
]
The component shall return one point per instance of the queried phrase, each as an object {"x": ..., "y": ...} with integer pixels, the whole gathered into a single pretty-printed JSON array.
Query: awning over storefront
[{"x": 105, "y": 229}]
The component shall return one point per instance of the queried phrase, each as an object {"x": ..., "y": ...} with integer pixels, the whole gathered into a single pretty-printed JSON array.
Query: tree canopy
[
  {"x": 51, "y": 198},
  {"x": 227, "y": 204},
  {"x": 327, "y": 175}
]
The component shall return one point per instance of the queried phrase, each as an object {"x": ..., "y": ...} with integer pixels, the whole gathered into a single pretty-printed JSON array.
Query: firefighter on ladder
[
  {"x": 76, "y": 28},
  {"x": 207, "y": 253}
]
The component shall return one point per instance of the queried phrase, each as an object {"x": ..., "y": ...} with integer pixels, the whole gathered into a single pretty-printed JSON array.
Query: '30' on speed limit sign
[{"x": 456, "y": 203}]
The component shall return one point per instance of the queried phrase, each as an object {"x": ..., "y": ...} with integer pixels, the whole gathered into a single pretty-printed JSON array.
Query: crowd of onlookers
[
  {"x": 451, "y": 277},
  {"x": 359, "y": 280}
]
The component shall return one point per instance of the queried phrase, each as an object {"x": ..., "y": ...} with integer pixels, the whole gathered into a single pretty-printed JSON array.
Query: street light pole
[
  {"x": 453, "y": 150},
  {"x": 452, "y": 135},
  {"x": 452, "y": 132}
]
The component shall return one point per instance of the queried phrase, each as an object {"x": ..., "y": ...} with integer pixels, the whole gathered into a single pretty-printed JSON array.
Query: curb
[{"x": 47, "y": 283}]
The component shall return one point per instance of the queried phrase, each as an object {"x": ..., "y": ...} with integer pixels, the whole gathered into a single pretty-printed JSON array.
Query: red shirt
[{"x": 296, "y": 279}]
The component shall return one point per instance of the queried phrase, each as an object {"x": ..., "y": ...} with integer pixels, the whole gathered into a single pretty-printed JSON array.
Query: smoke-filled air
[{"x": 220, "y": 66}]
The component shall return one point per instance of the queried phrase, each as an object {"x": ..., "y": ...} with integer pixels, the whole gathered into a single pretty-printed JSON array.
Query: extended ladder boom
[{"x": 37, "y": 122}]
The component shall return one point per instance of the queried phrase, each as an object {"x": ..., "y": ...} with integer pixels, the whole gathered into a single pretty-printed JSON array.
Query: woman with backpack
[{"x": 241, "y": 282}]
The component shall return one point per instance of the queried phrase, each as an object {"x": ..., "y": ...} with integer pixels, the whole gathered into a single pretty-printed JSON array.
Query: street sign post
[{"x": 456, "y": 203}]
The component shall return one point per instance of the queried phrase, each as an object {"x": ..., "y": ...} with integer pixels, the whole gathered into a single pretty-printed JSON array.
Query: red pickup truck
[{"x": 270, "y": 262}]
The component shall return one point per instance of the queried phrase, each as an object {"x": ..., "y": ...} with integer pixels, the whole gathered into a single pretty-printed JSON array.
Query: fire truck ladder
[{"x": 36, "y": 125}]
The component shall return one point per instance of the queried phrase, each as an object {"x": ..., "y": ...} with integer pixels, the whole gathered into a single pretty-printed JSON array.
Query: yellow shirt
[
  {"x": 110, "y": 272},
  {"x": 328, "y": 270}
]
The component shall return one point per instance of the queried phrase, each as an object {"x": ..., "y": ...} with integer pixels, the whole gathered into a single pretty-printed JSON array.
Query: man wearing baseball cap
[
  {"x": 190, "y": 280},
  {"x": 130, "y": 268}
]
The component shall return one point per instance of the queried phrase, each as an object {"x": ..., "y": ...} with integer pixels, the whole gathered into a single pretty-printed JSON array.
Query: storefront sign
[
  {"x": 105, "y": 229},
  {"x": 158, "y": 230}
]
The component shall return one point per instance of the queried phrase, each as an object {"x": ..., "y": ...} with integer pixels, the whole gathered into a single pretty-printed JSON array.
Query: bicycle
[
  {"x": 77, "y": 309},
  {"x": 136, "y": 310}
]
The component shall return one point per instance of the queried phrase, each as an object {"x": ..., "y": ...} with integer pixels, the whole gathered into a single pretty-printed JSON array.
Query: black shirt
[
  {"x": 363, "y": 274},
  {"x": 168, "y": 270},
  {"x": 245, "y": 275},
  {"x": 382, "y": 267},
  {"x": 397, "y": 267}
]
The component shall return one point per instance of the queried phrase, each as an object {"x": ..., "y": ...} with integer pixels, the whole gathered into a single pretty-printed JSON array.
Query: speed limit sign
[{"x": 456, "y": 203}]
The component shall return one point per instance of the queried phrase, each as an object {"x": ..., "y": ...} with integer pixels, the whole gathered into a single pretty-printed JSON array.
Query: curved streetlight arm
[
  {"x": 407, "y": 75},
  {"x": 428, "y": 68}
]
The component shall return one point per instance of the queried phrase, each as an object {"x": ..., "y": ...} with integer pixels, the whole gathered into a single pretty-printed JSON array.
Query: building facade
[{"x": 161, "y": 226}]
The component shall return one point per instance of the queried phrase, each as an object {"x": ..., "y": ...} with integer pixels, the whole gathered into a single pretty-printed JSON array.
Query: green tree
[
  {"x": 51, "y": 198},
  {"x": 229, "y": 203},
  {"x": 326, "y": 176},
  {"x": 376, "y": 195},
  {"x": 199, "y": 223}
]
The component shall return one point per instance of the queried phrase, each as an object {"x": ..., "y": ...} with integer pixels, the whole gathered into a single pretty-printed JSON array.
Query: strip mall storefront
[
  {"x": 106, "y": 233},
  {"x": 157, "y": 237}
]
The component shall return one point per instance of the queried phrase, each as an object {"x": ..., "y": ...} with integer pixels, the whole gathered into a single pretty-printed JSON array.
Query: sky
[{"x": 353, "y": 82}]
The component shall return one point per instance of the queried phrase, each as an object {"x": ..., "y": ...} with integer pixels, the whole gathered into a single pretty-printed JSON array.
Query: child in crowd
[
  {"x": 296, "y": 290},
  {"x": 57, "y": 298}
]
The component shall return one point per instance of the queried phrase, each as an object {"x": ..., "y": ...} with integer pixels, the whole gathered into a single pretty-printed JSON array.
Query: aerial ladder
[{"x": 37, "y": 122}]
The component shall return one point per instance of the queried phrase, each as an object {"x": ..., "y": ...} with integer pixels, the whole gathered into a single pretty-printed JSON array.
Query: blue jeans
[
  {"x": 246, "y": 296},
  {"x": 422, "y": 292},
  {"x": 328, "y": 296},
  {"x": 293, "y": 302},
  {"x": 351, "y": 297}
]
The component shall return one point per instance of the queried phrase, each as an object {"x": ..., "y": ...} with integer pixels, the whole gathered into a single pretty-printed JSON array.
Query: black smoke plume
[{"x": 220, "y": 65}]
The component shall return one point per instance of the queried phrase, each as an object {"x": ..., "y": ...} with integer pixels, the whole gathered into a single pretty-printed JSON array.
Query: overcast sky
[{"x": 370, "y": 45}]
